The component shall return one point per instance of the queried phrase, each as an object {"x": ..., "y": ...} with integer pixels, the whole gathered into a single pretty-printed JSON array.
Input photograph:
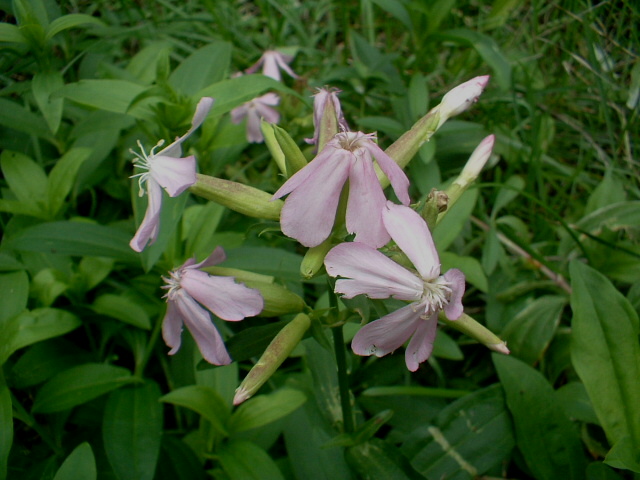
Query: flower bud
[
  {"x": 273, "y": 145},
  {"x": 238, "y": 197},
  {"x": 313, "y": 260},
  {"x": 475, "y": 330},
  {"x": 278, "y": 300},
  {"x": 276, "y": 353},
  {"x": 436, "y": 203},
  {"x": 294, "y": 158},
  {"x": 469, "y": 173},
  {"x": 461, "y": 98}
]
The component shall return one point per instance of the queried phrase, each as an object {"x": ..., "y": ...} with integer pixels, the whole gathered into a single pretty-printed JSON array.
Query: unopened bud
[
  {"x": 477, "y": 160},
  {"x": 240, "y": 198},
  {"x": 314, "y": 259},
  {"x": 477, "y": 331},
  {"x": 273, "y": 145},
  {"x": 327, "y": 116},
  {"x": 276, "y": 353},
  {"x": 461, "y": 98},
  {"x": 469, "y": 173},
  {"x": 294, "y": 158},
  {"x": 278, "y": 300}
]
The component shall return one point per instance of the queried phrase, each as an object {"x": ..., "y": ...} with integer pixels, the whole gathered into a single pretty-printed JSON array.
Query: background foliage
[{"x": 549, "y": 240}]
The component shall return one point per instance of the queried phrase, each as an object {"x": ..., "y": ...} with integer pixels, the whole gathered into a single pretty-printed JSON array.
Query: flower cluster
[{"x": 349, "y": 166}]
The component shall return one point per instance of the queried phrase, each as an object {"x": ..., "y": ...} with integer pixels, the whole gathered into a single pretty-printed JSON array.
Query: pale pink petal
[
  {"x": 309, "y": 211},
  {"x": 202, "y": 330},
  {"x": 367, "y": 271},
  {"x": 365, "y": 205},
  {"x": 254, "y": 133},
  {"x": 269, "y": 114},
  {"x": 270, "y": 66},
  {"x": 175, "y": 175},
  {"x": 224, "y": 297},
  {"x": 311, "y": 168},
  {"x": 386, "y": 334},
  {"x": 454, "y": 308},
  {"x": 172, "y": 328},
  {"x": 282, "y": 61},
  {"x": 202, "y": 110},
  {"x": 410, "y": 232},
  {"x": 421, "y": 344},
  {"x": 216, "y": 257},
  {"x": 478, "y": 158},
  {"x": 392, "y": 170},
  {"x": 148, "y": 230},
  {"x": 238, "y": 113},
  {"x": 268, "y": 99}
]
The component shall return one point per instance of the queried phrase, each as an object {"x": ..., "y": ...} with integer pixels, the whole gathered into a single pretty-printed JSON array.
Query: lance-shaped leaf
[{"x": 606, "y": 354}]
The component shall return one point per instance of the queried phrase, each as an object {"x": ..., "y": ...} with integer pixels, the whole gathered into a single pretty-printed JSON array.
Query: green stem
[
  {"x": 149, "y": 349},
  {"x": 343, "y": 379}
]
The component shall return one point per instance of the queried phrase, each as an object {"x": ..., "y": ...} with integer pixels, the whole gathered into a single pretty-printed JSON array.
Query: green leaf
[
  {"x": 243, "y": 460},
  {"x": 445, "y": 347},
  {"x": 548, "y": 441},
  {"x": 43, "y": 85},
  {"x": 15, "y": 293},
  {"x": 267, "y": 261},
  {"x": 71, "y": 20},
  {"x": 109, "y": 95},
  {"x": 488, "y": 49},
  {"x": 42, "y": 324},
  {"x": 468, "y": 438},
  {"x": 576, "y": 404},
  {"x": 75, "y": 238},
  {"x": 377, "y": 459},
  {"x": 62, "y": 178},
  {"x": 265, "y": 409},
  {"x": 452, "y": 224},
  {"x": 204, "y": 67},
  {"x": 17, "y": 117},
  {"x": 624, "y": 454},
  {"x": 79, "y": 385},
  {"x": 204, "y": 401},
  {"x": 44, "y": 360},
  {"x": 79, "y": 465},
  {"x": 26, "y": 179},
  {"x": 6, "y": 425},
  {"x": 11, "y": 33},
  {"x": 132, "y": 431},
  {"x": 605, "y": 352},
  {"x": 396, "y": 9},
  {"x": 531, "y": 331},
  {"x": 122, "y": 308}
]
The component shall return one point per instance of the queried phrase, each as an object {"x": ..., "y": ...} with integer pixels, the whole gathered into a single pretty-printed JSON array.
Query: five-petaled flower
[
  {"x": 272, "y": 62},
  {"x": 310, "y": 210},
  {"x": 190, "y": 291},
  {"x": 167, "y": 170},
  {"x": 364, "y": 270},
  {"x": 255, "y": 110}
]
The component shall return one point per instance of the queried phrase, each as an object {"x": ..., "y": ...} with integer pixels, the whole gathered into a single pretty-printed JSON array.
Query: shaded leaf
[
  {"x": 203, "y": 400},
  {"x": 132, "y": 431},
  {"x": 264, "y": 409},
  {"x": 246, "y": 461},
  {"x": 79, "y": 465},
  {"x": 78, "y": 385},
  {"x": 548, "y": 441}
]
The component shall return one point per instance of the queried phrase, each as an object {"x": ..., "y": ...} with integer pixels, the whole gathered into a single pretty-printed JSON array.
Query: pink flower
[
  {"x": 366, "y": 271},
  {"x": 190, "y": 291},
  {"x": 255, "y": 110},
  {"x": 272, "y": 62},
  {"x": 167, "y": 170},
  {"x": 326, "y": 96},
  {"x": 310, "y": 209}
]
